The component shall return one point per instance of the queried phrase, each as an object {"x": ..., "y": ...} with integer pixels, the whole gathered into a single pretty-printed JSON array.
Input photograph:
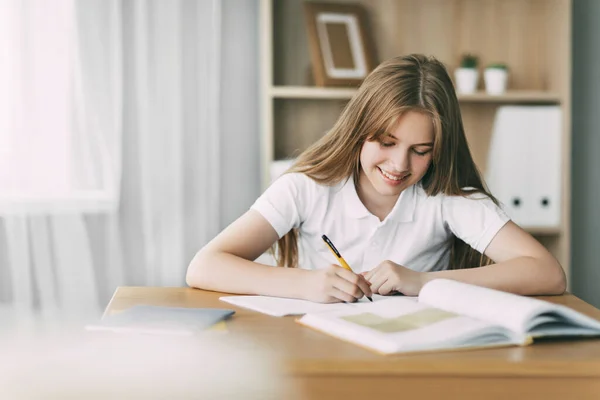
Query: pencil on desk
[{"x": 339, "y": 257}]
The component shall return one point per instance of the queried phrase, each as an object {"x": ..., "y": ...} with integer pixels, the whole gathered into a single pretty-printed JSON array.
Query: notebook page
[
  {"x": 509, "y": 310},
  {"x": 280, "y": 307}
]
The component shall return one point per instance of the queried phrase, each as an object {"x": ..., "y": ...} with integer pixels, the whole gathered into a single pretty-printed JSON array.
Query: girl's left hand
[{"x": 390, "y": 277}]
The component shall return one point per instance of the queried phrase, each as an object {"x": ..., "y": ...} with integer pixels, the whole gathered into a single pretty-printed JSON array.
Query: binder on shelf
[
  {"x": 507, "y": 161},
  {"x": 547, "y": 188},
  {"x": 524, "y": 164}
]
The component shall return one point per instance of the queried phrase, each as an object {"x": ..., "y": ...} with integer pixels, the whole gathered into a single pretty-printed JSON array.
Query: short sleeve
[
  {"x": 474, "y": 219},
  {"x": 285, "y": 202}
]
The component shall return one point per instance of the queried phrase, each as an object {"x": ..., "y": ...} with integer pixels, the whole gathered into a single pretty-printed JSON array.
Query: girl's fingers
[
  {"x": 349, "y": 288},
  {"x": 364, "y": 286},
  {"x": 377, "y": 280},
  {"x": 347, "y": 275},
  {"x": 359, "y": 286},
  {"x": 341, "y": 295},
  {"x": 369, "y": 274},
  {"x": 332, "y": 299},
  {"x": 386, "y": 288}
]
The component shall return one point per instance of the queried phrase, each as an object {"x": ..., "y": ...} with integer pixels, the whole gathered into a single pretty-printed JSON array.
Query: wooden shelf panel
[
  {"x": 514, "y": 96},
  {"x": 311, "y": 92}
]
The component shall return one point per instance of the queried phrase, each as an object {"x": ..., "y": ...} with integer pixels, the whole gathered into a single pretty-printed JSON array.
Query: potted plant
[
  {"x": 496, "y": 78},
  {"x": 467, "y": 75}
]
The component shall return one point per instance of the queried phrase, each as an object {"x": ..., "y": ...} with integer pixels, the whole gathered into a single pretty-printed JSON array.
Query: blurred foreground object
[{"x": 107, "y": 366}]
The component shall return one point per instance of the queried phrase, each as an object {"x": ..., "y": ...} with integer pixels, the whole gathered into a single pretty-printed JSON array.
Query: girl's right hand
[{"x": 335, "y": 284}]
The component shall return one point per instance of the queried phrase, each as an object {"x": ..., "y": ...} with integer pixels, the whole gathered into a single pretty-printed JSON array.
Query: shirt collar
[
  {"x": 354, "y": 207},
  {"x": 403, "y": 210}
]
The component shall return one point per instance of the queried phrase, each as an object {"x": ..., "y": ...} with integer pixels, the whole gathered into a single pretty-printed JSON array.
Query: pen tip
[{"x": 370, "y": 299}]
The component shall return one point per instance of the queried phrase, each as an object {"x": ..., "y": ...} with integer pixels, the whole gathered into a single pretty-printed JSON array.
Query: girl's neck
[{"x": 378, "y": 205}]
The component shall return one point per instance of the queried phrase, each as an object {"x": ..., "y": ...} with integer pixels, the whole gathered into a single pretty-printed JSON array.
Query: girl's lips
[{"x": 391, "y": 181}]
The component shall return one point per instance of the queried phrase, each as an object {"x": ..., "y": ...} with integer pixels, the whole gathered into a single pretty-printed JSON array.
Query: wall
[{"x": 586, "y": 151}]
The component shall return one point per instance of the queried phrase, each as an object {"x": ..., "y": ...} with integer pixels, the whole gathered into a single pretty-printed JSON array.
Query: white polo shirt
[{"x": 417, "y": 233}]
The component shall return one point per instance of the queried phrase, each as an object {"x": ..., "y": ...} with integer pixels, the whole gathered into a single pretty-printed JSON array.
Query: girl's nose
[{"x": 401, "y": 162}]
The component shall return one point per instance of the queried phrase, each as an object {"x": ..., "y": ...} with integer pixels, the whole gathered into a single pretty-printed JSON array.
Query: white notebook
[
  {"x": 281, "y": 307},
  {"x": 147, "y": 319}
]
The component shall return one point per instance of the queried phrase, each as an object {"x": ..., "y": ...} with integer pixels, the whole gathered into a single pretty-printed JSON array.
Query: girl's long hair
[{"x": 406, "y": 83}]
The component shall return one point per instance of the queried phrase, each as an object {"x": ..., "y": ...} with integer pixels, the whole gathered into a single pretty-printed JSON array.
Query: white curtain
[
  {"x": 109, "y": 147},
  {"x": 61, "y": 140},
  {"x": 170, "y": 195}
]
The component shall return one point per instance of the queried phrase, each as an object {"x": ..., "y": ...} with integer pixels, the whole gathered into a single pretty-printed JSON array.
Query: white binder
[
  {"x": 524, "y": 164},
  {"x": 507, "y": 160}
]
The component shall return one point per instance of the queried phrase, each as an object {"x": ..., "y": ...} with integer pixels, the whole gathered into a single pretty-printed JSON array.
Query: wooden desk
[{"x": 328, "y": 368}]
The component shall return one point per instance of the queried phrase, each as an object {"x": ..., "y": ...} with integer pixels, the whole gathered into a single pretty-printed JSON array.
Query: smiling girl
[{"x": 394, "y": 186}]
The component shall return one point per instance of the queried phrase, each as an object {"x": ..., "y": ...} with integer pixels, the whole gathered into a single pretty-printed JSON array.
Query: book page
[
  {"x": 402, "y": 325},
  {"x": 509, "y": 310},
  {"x": 280, "y": 307}
]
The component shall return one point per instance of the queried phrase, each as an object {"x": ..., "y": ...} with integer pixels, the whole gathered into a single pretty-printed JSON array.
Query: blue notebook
[{"x": 162, "y": 320}]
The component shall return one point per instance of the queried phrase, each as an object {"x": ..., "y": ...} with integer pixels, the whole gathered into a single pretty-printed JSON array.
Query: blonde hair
[{"x": 406, "y": 83}]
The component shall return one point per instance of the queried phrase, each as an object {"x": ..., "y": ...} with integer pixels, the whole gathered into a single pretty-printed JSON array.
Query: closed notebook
[
  {"x": 451, "y": 315},
  {"x": 162, "y": 320}
]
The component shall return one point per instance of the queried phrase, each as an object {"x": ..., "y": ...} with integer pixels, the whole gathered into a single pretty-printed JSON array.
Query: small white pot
[
  {"x": 466, "y": 80},
  {"x": 495, "y": 80}
]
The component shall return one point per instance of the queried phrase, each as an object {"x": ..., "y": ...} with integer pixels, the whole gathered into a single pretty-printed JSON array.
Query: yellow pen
[{"x": 339, "y": 257}]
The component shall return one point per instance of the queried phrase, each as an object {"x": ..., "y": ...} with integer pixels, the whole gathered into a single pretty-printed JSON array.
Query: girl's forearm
[
  {"x": 522, "y": 275},
  {"x": 223, "y": 272}
]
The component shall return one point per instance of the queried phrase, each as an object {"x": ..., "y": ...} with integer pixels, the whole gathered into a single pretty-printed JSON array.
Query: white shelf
[{"x": 327, "y": 93}]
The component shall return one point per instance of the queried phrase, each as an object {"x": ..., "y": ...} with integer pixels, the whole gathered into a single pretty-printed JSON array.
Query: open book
[{"x": 450, "y": 315}]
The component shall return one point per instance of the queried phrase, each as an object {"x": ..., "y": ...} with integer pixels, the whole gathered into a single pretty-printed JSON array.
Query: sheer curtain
[
  {"x": 60, "y": 135},
  {"x": 110, "y": 147}
]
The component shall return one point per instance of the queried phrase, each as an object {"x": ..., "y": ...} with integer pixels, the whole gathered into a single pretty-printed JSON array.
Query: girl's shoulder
[
  {"x": 299, "y": 182},
  {"x": 470, "y": 198},
  {"x": 470, "y": 201},
  {"x": 468, "y": 193}
]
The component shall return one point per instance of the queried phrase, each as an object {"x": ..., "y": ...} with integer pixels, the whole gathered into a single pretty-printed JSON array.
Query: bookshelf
[{"x": 532, "y": 36}]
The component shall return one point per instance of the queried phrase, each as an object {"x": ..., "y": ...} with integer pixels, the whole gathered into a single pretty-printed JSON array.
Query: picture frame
[{"x": 341, "y": 49}]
